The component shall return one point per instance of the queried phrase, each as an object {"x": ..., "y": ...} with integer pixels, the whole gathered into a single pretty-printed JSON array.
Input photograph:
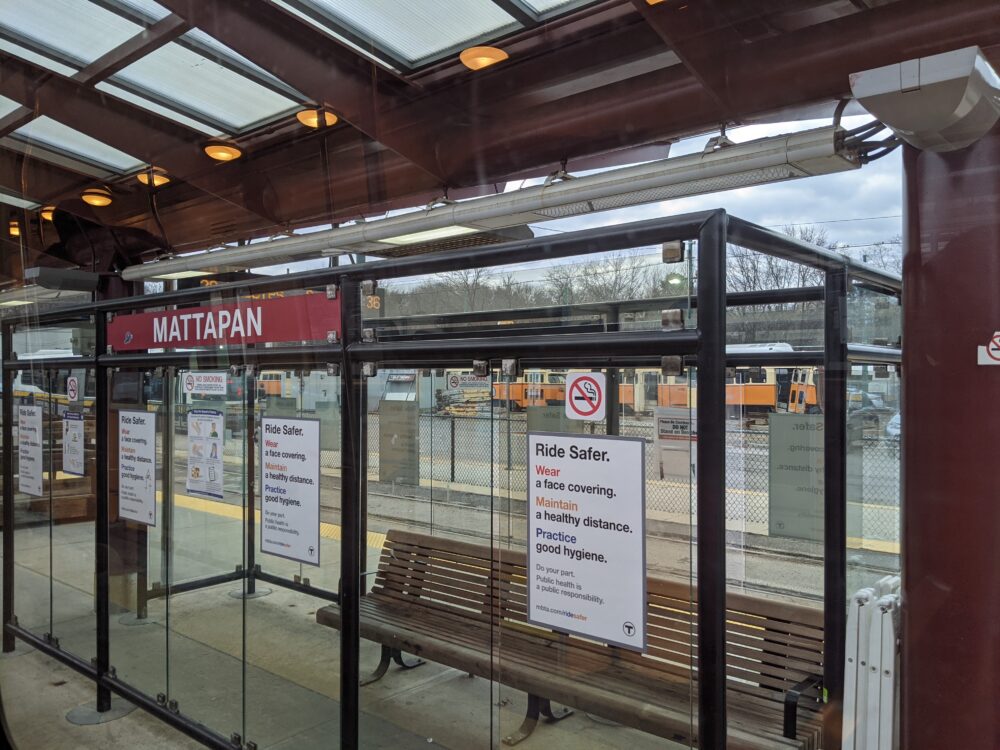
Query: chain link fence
[{"x": 487, "y": 455}]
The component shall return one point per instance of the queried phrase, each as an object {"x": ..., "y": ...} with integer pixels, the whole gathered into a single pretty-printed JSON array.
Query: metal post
[
  {"x": 835, "y": 371},
  {"x": 451, "y": 423},
  {"x": 352, "y": 461},
  {"x": 167, "y": 481},
  {"x": 249, "y": 383},
  {"x": 102, "y": 515},
  {"x": 711, "y": 490},
  {"x": 7, "y": 347},
  {"x": 613, "y": 406}
]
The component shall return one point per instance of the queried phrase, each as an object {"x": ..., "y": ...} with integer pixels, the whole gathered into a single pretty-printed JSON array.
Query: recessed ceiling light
[
  {"x": 430, "y": 235},
  {"x": 477, "y": 58},
  {"x": 47, "y": 211},
  {"x": 157, "y": 175},
  {"x": 97, "y": 196},
  {"x": 15, "y": 303},
  {"x": 310, "y": 118},
  {"x": 222, "y": 151}
]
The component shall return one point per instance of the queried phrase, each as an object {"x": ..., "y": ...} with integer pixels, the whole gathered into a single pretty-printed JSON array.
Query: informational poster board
[
  {"x": 795, "y": 476},
  {"x": 586, "y": 536},
  {"x": 137, "y": 466},
  {"x": 290, "y": 489},
  {"x": 31, "y": 463},
  {"x": 551, "y": 419},
  {"x": 398, "y": 436},
  {"x": 73, "y": 445},
  {"x": 197, "y": 383},
  {"x": 676, "y": 439},
  {"x": 206, "y": 441}
]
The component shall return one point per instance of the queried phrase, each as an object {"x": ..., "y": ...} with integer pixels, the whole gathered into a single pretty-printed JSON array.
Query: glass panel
[
  {"x": 32, "y": 500},
  {"x": 77, "y": 28},
  {"x": 873, "y": 317},
  {"x": 774, "y": 556},
  {"x": 74, "y": 506},
  {"x": 58, "y": 136},
  {"x": 428, "y": 488},
  {"x": 644, "y": 576},
  {"x": 184, "y": 76},
  {"x": 620, "y": 290},
  {"x": 140, "y": 555},
  {"x": 293, "y": 665},
  {"x": 206, "y": 528},
  {"x": 874, "y": 430},
  {"x": 414, "y": 31}
]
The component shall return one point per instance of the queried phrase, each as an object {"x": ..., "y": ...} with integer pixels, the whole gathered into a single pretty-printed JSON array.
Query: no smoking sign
[{"x": 585, "y": 395}]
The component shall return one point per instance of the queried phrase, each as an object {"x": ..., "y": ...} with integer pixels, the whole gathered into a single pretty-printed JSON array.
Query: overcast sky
[
  {"x": 856, "y": 208},
  {"x": 849, "y": 205}
]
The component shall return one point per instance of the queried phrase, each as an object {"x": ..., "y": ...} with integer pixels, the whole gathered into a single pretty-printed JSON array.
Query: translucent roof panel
[
  {"x": 13, "y": 200},
  {"x": 419, "y": 29},
  {"x": 57, "y": 136},
  {"x": 151, "y": 10},
  {"x": 183, "y": 76},
  {"x": 210, "y": 42},
  {"x": 33, "y": 57},
  {"x": 159, "y": 109},
  {"x": 546, "y": 6},
  {"x": 7, "y": 106},
  {"x": 78, "y": 28}
]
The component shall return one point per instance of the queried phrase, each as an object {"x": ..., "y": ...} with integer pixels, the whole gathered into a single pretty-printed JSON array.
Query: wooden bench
[{"x": 464, "y": 605}]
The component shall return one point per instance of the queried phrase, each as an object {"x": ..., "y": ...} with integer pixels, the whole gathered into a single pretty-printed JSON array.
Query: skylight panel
[
  {"x": 178, "y": 74},
  {"x": 62, "y": 138},
  {"x": 419, "y": 29},
  {"x": 159, "y": 109},
  {"x": 33, "y": 57},
  {"x": 77, "y": 28}
]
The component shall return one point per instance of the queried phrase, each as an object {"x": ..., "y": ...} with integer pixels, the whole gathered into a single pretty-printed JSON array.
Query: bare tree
[{"x": 466, "y": 286}]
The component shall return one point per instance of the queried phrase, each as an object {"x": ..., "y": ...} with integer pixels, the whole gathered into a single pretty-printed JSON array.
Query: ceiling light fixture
[
  {"x": 430, "y": 235},
  {"x": 182, "y": 275},
  {"x": 156, "y": 175},
  {"x": 310, "y": 118},
  {"x": 97, "y": 196},
  {"x": 477, "y": 58},
  {"x": 221, "y": 151},
  {"x": 14, "y": 228},
  {"x": 47, "y": 212}
]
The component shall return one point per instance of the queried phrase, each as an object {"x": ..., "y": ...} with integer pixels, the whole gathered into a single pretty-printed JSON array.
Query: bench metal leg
[
  {"x": 397, "y": 656},
  {"x": 389, "y": 655},
  {"x": 536, "y": 706},
  {"x": 381, "y": 669}
]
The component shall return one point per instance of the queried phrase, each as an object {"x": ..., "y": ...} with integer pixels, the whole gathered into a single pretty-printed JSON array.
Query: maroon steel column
[{"x": 951, "y": 451}]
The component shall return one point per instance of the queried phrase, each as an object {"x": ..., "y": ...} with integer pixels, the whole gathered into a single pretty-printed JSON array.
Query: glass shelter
[{"x": 316, "y": 511}]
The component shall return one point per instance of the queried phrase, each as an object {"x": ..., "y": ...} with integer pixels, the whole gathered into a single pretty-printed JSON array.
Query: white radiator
[{"x": 871, "y": 668}]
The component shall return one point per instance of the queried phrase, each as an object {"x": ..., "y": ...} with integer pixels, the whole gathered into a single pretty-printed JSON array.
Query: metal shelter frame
[{"x": 702, "y": 346}]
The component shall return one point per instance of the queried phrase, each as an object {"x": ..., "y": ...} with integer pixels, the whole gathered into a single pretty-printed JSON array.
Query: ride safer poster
[
  {"x": 586, "y": 536},
  {"x": 289, "y": 508}
]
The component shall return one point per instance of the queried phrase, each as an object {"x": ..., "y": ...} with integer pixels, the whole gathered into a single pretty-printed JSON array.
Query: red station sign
[{"x": 307, "y": 317}]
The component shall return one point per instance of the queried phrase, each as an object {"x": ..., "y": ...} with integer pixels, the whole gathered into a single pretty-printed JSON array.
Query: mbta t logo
[{"x": 990, "y": 354}]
